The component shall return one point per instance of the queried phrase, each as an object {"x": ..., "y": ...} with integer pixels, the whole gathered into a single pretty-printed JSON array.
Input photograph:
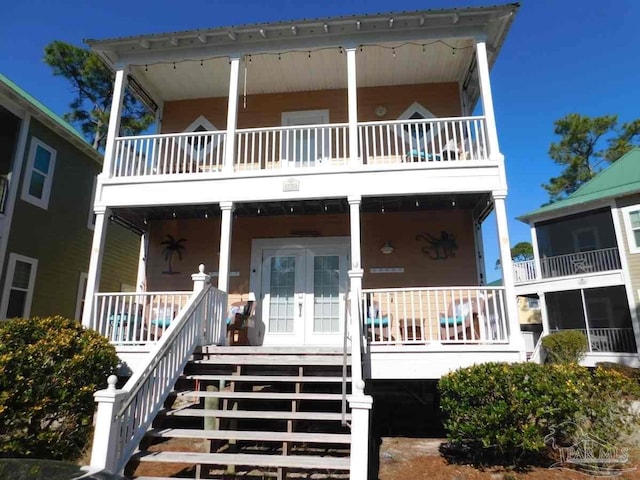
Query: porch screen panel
[
  {"x": 326, "y": 294},
  {"x": 282, "y": 294}
]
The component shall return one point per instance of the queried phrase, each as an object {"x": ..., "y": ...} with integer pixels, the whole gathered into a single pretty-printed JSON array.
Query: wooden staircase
[{"x": 251, "y": 412}]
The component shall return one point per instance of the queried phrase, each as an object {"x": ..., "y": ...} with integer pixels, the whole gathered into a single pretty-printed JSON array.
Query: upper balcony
[
  {"x": 572, "y": 246},
  {"x": 393, "y": 92}
]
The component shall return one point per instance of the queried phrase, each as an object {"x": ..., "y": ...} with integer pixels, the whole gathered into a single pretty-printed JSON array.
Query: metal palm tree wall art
[{"x": 172, "y": 247}]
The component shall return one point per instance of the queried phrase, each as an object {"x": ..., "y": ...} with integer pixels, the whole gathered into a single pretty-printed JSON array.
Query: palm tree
[{"x": 171, "y": 247}]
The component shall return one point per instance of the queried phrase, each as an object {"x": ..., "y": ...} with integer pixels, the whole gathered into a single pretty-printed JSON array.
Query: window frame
[
  {"x": 91, "y": 220},
  {"x": 83, "y": 279},
  {"x": 8, "y": 284},
  {"x": 626, "y": 215},
  {"x": 28, "y": 175},
  {"x": 205, "y": 123}
]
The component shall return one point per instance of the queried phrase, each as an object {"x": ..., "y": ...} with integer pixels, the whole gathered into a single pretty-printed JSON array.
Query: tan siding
[
  {"x": 441, "y": 99},
  {"x": 202, "y": 246},
  {"x": 633, "y": 259}
]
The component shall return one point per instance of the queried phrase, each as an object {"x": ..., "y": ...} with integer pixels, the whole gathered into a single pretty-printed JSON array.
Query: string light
[
  {"x": 202, "y": 63},
  {"x": 146, "y": 68},
  {"x": 393, "y": 50},
  {"x": 174, "y": 65}
]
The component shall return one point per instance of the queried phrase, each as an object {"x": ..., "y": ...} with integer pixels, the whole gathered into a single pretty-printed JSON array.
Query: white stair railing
[{"x": 123, "y": 416}]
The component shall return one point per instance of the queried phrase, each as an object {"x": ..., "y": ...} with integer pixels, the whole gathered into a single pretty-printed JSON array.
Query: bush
[
  {"x": 568, "y": 346},
  {"x": 501, "y": 413},
  {"x": 49, "y": 370}
]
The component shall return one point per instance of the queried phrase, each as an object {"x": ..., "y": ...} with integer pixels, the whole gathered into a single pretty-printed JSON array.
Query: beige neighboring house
[
  {"x": 47, "y": 183},
  {"x": 586, "y": 269}
]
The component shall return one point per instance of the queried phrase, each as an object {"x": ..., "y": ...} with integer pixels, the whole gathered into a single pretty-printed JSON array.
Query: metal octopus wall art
[{"x": 439, "y": 248}]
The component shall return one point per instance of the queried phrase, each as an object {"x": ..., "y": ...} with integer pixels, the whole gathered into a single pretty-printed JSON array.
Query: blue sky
[{"x": 561, "y": 56}]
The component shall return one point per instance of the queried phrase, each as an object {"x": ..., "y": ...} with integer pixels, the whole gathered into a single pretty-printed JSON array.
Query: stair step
[
  {"x": 290, "y": 461},
  {"x": 242, "y": 349},
  {"x": 259, "y": 395},
  {"x": 263, "y": 436},
  {"x": 254, "y": 414},
  {"x": 260, "y": 359},
  {"x": 266, "y": 378}
]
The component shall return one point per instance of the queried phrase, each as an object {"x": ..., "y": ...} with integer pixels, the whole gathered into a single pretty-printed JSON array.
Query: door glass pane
[
  {"x": 326, "y": 291},
  {"x": 282, "y": 294}
]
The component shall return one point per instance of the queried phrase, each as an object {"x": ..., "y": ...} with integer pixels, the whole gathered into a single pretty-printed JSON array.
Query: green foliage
[
  {"x": 579, "y": 150},
  {"x": 522, "y": 251},
  {"x": 92, "y": 83},
  {"x": 501, "y": 413},
  {"x": 567, "y": 346},
  {"x": 49, "y": 370}
]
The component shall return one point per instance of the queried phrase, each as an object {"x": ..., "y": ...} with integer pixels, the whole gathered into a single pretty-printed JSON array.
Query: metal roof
[
  {"x": 47, "y": 116},
  {"x": 620, "y": 178}
]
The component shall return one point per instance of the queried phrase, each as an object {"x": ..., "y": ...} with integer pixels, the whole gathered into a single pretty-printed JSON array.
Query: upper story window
[
  {"x": 19, "y": 287},
  {"x": 586, "y": 239},
  {"x": 38, "y": 177},
  {"x": 632, "y": 223},
  {"x": 202, "y": 144},
  {"x": 416, "y": 112}
]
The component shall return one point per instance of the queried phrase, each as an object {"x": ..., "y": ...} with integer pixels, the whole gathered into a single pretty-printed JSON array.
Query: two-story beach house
[
  {"x": 585, "y": 274},
  {"x": 47, "y": 178},
  {"x": 332, "y": 176}
]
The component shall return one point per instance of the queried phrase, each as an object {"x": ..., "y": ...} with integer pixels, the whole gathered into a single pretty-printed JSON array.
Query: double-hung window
[
  {"x": 38, "y": 177},
  {"x": 18, "y": 291},
  {"x": 632, "y": 226}
]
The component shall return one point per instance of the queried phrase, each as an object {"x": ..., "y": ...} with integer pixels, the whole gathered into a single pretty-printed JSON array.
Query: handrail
[
  {"x": 538, "y": 353},
  {"x": 172, "y": 135},
  {"x": 290, "y": 127},
  {"x": 343, "y": 412},
  {"x": 422, "y": 120},
  {"x": 144, "y": 394}
]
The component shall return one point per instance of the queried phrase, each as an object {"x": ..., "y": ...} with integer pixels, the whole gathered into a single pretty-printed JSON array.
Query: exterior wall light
[{"x": 387, "y": 248}]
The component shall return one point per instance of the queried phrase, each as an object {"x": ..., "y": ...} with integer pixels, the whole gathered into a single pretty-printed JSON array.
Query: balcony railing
[
  {"x": 292, "y": 147},
  {"x": 425, "y": 140},
  {"x": 148, "y": 155},
  {"x": 602, "y": 260},
  {"x": 400, "y": 142},
  {"x": 454, "y": 315}
]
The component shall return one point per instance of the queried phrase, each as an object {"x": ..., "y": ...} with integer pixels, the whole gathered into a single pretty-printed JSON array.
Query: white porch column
[
  {"x": 95, "y": 263},
  {"x": 544, "y": 313},
  {"x": 359, "y": 461},
  {"x": 119, "y": 85},
  {"x": 354, "y": 219},
  {"x": 487, "y": 100},
  {"x": 352, "y": 95},
  {"x": 104, "y": 451},
  {"x": 225, "y": 245},
  {"x": 141, "y": 278},
  {"x": 232, "y": 114},
  {"x": 515, "y": 336},
  {"x": 536, "y": 251}
]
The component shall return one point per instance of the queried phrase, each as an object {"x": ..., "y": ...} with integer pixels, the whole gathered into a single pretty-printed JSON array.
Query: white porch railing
[
  {"x": 423, "y": 140},
  {"x": 621, "y": 340},
  {"x": 524, "y": 271},
  {"x": 601, "y": 260},
  {"x": 406, "y": 316},
  {"x": 136, "y": 318},
  {"x": 124, "y": 416},
  {"x": 148, "y": 155},
  {"x": 292, "y": 146}
]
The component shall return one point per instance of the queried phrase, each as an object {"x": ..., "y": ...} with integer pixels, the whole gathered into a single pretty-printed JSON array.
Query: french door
[{"x": 303, "y": 292}]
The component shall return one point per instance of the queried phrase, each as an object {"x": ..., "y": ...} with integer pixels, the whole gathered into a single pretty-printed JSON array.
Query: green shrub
[
  {"x": 49, "y": 370},
  {"x": 568, "y": 346},
  {"x": 500, "y": 413}
]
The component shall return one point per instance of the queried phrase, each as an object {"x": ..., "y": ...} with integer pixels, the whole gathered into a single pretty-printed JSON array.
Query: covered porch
[{"x": 416, "y": 274}]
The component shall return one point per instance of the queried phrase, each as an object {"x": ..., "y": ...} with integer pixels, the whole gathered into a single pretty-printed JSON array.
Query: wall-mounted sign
[
  {"x": 290, "y": 185},
  {"x": 386, "y": 270}
]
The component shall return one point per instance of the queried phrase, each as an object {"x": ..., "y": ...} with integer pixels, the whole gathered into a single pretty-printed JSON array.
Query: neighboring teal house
[
  {"x": 586, "y": 269},
  {"x": 47, "y": 185}
]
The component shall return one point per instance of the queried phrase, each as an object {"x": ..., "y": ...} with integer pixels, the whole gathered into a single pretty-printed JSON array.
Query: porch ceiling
[
  {"x": 138, "y": 218},
  {"x": 397, "y": 48},
  {"x": 396, "y": 63}
]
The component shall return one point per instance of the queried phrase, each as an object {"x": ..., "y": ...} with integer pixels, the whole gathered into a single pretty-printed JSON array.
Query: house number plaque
[{"x": 291, "y": 185}]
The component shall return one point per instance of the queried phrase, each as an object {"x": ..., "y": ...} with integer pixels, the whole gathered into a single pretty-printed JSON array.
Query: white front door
[{"x": 302, "y": 292}]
